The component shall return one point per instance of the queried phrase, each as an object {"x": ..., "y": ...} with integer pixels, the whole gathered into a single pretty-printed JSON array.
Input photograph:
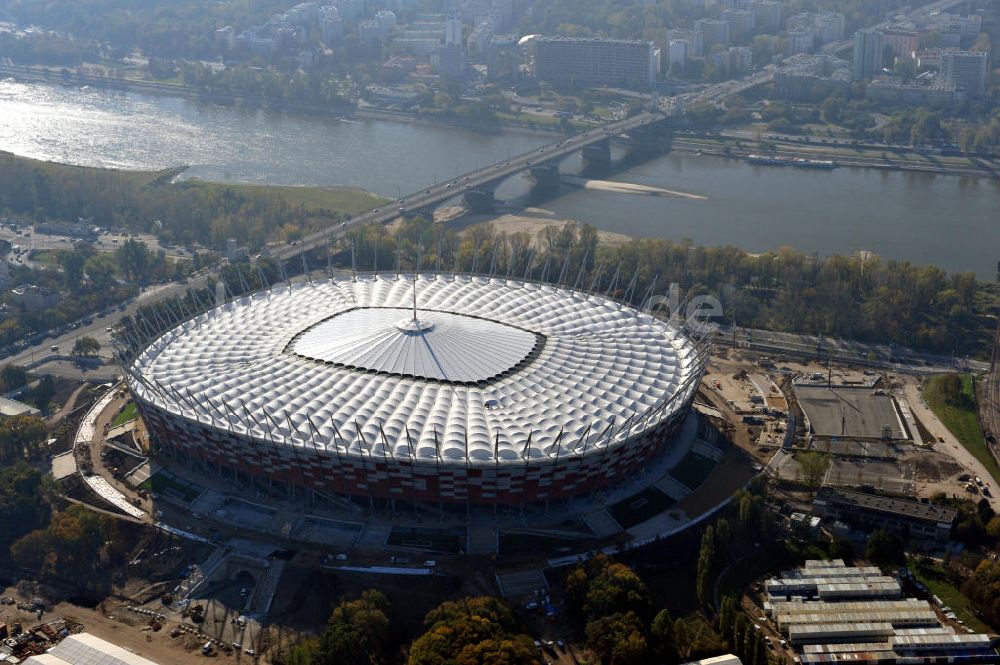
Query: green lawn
[
  {"x": 350, "y": 200},
  {"x": 130, "y": 412},
  {"x": 960, "y": 419},
  {"x": 640, "y": 507},
  {"x": 693, "y": 470},
  {"x": 163, "y": 483},
  {"x": 45, "y": 256},
  {"x": 936, "y": 582}
]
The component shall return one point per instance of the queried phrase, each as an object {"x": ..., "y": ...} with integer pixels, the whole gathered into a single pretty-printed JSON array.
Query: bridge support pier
[
  {"x": 480, "y": 200},
  {"x": 598, "y": 153},
  {"x": 546, "y": 176}
]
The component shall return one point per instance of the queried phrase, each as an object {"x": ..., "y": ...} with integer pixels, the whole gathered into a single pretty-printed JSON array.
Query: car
[
  {"x": 561, "y": 645},
  {"x": 375, "y": 210}
]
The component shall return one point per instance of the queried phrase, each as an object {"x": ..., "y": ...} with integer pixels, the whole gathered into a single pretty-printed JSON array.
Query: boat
[
  {"x": 768, "y": 160},
  {"x": 814, "y": 163}
]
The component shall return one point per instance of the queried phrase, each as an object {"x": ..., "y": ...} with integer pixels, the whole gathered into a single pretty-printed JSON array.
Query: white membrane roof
[
  {"x": 497, "y": 372},
  {"x": 433, "y": 345}
]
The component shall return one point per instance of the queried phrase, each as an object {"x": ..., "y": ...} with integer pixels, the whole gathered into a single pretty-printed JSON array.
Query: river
[{"x": 947, "y": 221}]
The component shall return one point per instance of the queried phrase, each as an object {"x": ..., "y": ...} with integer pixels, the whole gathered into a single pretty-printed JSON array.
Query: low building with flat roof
[{"x": 923, "y": 520}]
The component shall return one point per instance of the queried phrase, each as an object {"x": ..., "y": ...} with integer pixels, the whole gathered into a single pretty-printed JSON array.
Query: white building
[
  {"x": 966, "y": 70},
  {"x": 694, "y": 38}
]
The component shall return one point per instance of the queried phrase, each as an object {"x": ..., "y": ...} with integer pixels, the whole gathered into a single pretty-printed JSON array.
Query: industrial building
[
  {"x": 577, "y": 62},
  {"x": 924, "y": 521},
  {"x": 87, "y": 649},
  {"x": 859, "y": 628}
]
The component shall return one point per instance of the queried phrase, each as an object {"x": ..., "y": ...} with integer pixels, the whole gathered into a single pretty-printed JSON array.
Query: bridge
[{"x": 476, "y": 187}]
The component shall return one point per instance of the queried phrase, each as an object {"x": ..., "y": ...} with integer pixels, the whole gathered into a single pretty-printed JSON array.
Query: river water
[{"x": 926, "y": 219}]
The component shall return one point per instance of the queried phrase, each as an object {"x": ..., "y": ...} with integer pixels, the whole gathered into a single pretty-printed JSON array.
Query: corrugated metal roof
[{"x": 87, "y": 649}]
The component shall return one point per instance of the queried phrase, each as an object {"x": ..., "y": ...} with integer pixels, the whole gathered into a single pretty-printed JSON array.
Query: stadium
[{"x": 429, "y": 387}]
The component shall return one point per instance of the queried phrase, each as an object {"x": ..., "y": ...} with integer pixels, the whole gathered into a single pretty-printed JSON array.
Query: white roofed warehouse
[{"x": 429, "y": 387}]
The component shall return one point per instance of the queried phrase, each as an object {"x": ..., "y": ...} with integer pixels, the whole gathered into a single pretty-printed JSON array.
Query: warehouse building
[{"x": 924, "y": 521}]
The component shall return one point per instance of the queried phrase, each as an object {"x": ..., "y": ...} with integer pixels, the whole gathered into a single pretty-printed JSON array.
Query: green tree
[
  {"x": 134, "y": 259},
  {"x": 356, "y": 633},
  {"x": 705, "y": 579},
  {"x": 20, "y": 436},
  {"x": 22, "y": 503},
  {"x": 618, "y": 639},
  {"x": 86, "y": 346},
  {"x": 814, "y": 465},
  {"x": 472, "y": 631},
  {"x": 885, "y": 548},
  {"x": 12, "y": 376},
  {"x": 100, "y": 269},
  {"x": 661, "y": 637}
]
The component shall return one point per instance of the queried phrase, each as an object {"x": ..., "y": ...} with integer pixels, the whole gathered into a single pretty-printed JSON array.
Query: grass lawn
[
  {"x": 432, "y": 540},
  {"x": 960, "y": 419},
  {"x": 350, "y": 200},
  {"x": 937, "y": 583},
  {"x": 520, "y": 543},
  {"x": 130, "y": 412},
  {"x": 693, "y": 470},
  {"x": 46, "y": 257},
  {"x": 640, "y": 507},
  {"x": 162, "y": 483}
]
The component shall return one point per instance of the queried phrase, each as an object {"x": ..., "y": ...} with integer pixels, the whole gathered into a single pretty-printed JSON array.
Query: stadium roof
[
  {"x": 87, "y": 649},
  {"x": 491, "y": 372}
]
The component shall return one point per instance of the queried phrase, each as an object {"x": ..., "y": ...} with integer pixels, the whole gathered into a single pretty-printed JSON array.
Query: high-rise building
[
  {"x": 565, "y": 61},
  {"x": 966, "y": 70},
  {"x": 736, "y": 4},
  {"x": 767, "y": 15},
  {"x": 449, "y": 61},
  {"x": 829, "y": 26},
  {"x": 678, "y": 52},
  {"x": 741, "y": 22},
  {"x": 801, "y": 40},
  {"x": 713, "y": 31},
  {"x": 867, "y": 56},
  {"x": 902, "y": 42},
  {"x": 453, "y": 30},
  {"x": 694, "y": 39},
  {"x": 331, "y": 26}
]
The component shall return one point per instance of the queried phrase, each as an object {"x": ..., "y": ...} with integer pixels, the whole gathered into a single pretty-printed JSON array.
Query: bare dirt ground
[{"x": 110, "y": 621}]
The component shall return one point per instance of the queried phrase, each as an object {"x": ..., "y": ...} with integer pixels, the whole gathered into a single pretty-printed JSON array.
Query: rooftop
[{"x": 882, "y": 504}]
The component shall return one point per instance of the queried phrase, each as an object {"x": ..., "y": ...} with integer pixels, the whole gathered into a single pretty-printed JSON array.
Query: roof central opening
[{"x": 436, "y": 345}]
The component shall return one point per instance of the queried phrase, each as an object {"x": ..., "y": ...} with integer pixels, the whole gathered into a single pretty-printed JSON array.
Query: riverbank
[
  {"x": 49, "y": 76},
  {"x": 886, "y": 159}
]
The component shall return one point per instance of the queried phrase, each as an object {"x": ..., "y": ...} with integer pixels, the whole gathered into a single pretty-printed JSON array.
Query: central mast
[{"x": 414, "y": 297}]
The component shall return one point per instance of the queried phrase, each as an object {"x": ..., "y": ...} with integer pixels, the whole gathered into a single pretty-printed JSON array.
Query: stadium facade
[{"x": 419, "y": 388}]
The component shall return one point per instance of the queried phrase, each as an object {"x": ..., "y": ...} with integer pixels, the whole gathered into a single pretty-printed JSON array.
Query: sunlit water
[{"x": 943, "y": 220}]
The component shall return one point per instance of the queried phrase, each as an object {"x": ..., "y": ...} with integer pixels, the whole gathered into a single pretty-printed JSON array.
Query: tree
[
  {"x": 617, "y": 639},
  {"x": 661, "y": 637},
  {"x": 86, "y": 346},
  {"x": 100, "y": 269},
  {"x": 885, "y": 548},
  {"x": 814, "y": 465},
  {"x": 842, "y": 548},
  {"x": 472, "y": 631},
  {"x": 22, "y": 503},
  {"x": 134, "y": 259},
  {"x": 706, "y": 567},
  {"x": 12, "y": 376},
  {"x": 356, "y": 633},
  {"x": 21, "y": 435}
]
